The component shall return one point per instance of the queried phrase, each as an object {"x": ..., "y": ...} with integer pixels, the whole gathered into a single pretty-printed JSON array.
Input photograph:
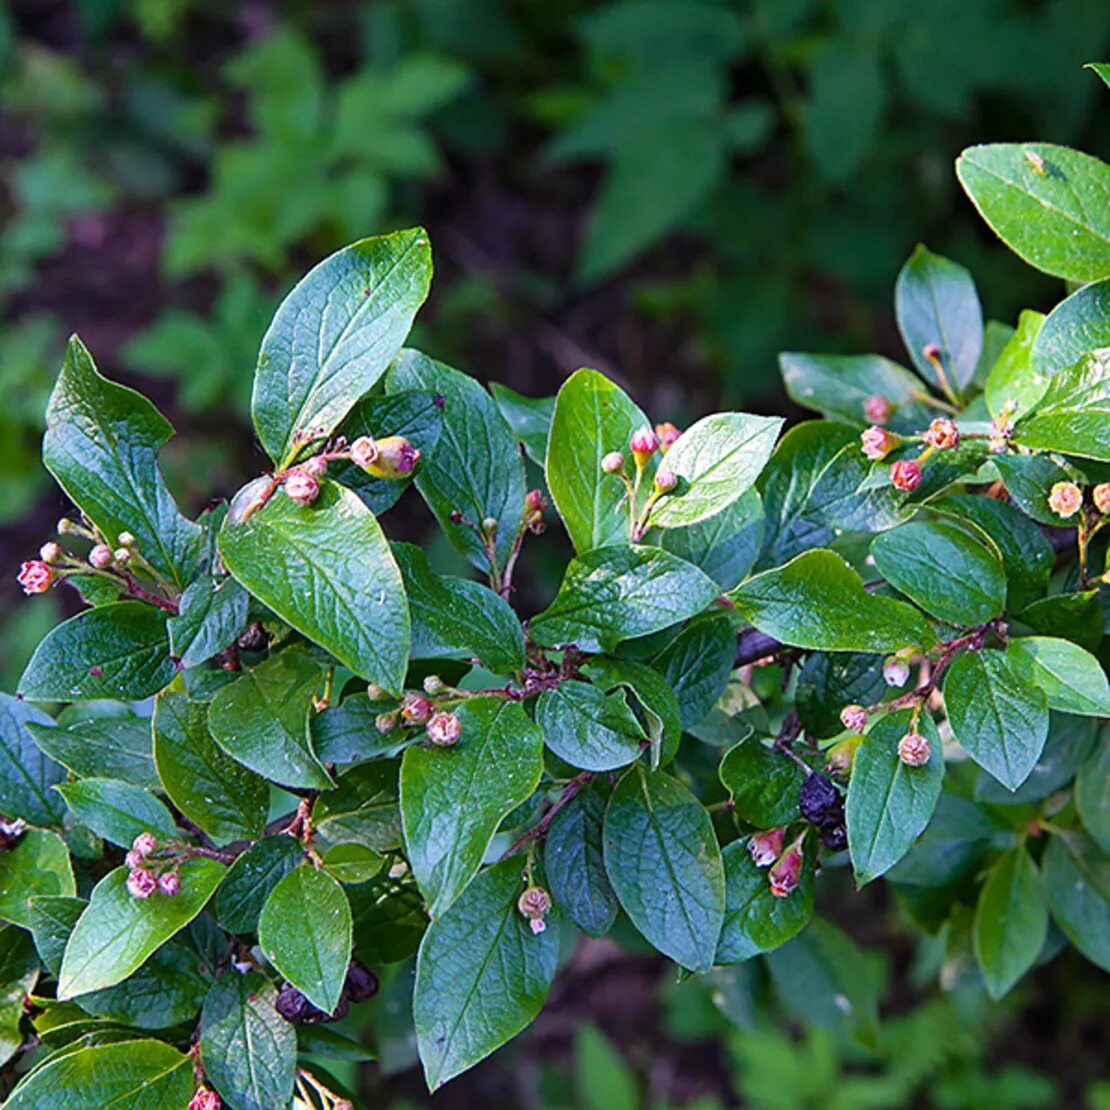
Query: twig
[{"x": 539, "y": 830}]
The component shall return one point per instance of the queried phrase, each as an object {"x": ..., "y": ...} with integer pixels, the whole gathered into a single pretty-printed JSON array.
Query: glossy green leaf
[
  {"x": 838, "y": 385},
  {"x": 113, "y": 651},
  {"x": 37, "y": 864},
  {"x": 828, "y": 682},
  {"x": 1077, "y": 888},
  {"x": 51, "y": 920},
  {"x": 117, "y": 932},
  {"x": 715, "y": 461},
  {"x": 651, "y": 697},
  {"x": 19, "y": 970},
  {"x": 698, "y": 664},
  {"x": 137, "y": 1074},
  {"x": 1071, "y": 741},
  {"x": 1029, "y": 480},
  {"x": 1011, "y": 921},
  {"x": 1092, "y": 796},
  {"x": 725, "y": 546},
  {"x": 305, "y": 932},
  {"x": 457, "y": 616},
  {"x": 334, "y": 335},
  {"x": 589, "y": 728},
  {"x": 351, "y": 862},
  {"x": 575, "y": 866},
  {"x": 327, "y": 569},
  {"x": 476, "y": 468},
  {"x": 212, "y": 790},
  {"x": 389, "y": 918},
  {"x": 817, "y": 601},
  {"x": 763, "y": 784},
  {"x": 211, "y": 615},
  {"x": 618, "y": 593},
  {"x": 348, "y": 732},
  {"x": 1100, "y": 68},
  {"x": 889, "y": 802},
  {"x": 251, "y": 879},
  {"x": 26, "y": 772},
  {"x": 481, "y": 975},
  {"x": 1046, "y": 203},
  {"x": 529, "y": 418},
  {"x": 664, "y": 863},
  {"x": 1071, "y": 677},
  {"x": 1001, "y": 721},
  {"x": 261, "y": 720},
  {"x": 936, "y": 303},
  {"x": 593, "y": 417},
  {"x": 112, "y": 746},
  {"x": 1074, "y": 414},
  {"x": 1013, "y": 383},
  {"x": 248, "y": 1050},
  {"x": 947, "y": 571},
  {"x": 118, "y": 811},
  {"x": 101, "y": 444},
  {"x": 363, "y": 808},
  {"x": 453, "y": 799},
  {"x": 1076, "y": 617}
]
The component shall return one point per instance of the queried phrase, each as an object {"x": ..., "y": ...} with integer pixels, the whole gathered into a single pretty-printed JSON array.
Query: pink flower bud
[
  {"x": 145, "y": 843},
  {"x": 839, "y": 758},
  {"x": 133, "y": 859},
  {"x": 316, "y": 467},
  {"x": 766, "y": 847},
  {"x": 444, "y": 729},
  {"x": 100, "y": 556},
  {"x": 51, "y": 553},
  {"x": 534, "y": 500},
  {"x": 416, "y": 709},
  {"x": 854, "y": 717},
  {"x": 205, "y": 1099},
  {"x": 668, "y": 435},
  {"x": 364, "y": 451},
  {"x": 534, "y": 903},
  {"x": 386, "y": 722},
  {"x": 35, "y": 577},
  {"x": 942, "y": 434},
  {"x": 906, "y": 475},
  {"x": 1100, "y": 495},
  {"x": 141, "y": 883},
  {"x": 613, "y": 463},
  {"x": 434, "y": 685},
  {"x": 931, "y": 351},
  {"x": 896, "y": 671},
  {"x": 644, "y": 443},
  {"x": 302, "y": 487},
  {"x": 913, "y": 749},
  {"x": 169, "y": 883},
  {"x": 787, "y": 873},
  {"x": 1065, "y": 499},
  {"x": 395, "y": 459},
  {"x": 121, "y": 556},
  {"x": 876, "y": 443},
  {"x": 125, "y": 539},
  {"x": 876, "y": 410},
  {"x": 455, "y": 516},
  {"x": 665, "y": 480}
]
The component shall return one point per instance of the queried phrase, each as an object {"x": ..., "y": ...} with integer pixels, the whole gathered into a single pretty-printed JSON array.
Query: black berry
[
  {"x": 296, "y": 1009},
  {"x": 835, "y": 837},
  {"x": 361, "y": 983},
  {"x": 820, "y": 803}
]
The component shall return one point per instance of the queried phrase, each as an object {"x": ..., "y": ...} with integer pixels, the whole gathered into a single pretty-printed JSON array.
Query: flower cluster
[
  {"x": 152, "y": 870},
  {"x": 442, "y": 727},
  {"x": 766, "y": 850}
]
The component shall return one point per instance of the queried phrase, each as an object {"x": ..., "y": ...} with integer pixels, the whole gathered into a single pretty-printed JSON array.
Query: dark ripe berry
[
  {"x": 296, "y": 1009},
  {"x": 835, "y": 837},
  {"x": 820, "y": 802},
  {"x": 361, "y": 983},
  {"x": 253, "y": 638}
]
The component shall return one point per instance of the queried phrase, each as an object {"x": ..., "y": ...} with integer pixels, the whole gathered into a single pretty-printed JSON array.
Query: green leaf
[
  {"x": 1029, "y": 479},
  {"x": 889, "y": 802},
  {"x": 715, "y": 461},
  {"x": 118, "y": 811},
  {"x": 575, "y": 866},
  {"x": 37, "y": 864},
  {"x": 1011, "y": 921},
  {"x": 212, "y": 790},
  {"x": 1046, "y": 203},
  {"x": 664, "y": 863},
  {"x": 593, "y": 417},
  {"x": 248, "y": 1050},
  {"x": 389, "y": 919},
  {"x": 1076, "y": 617},
  {"x": 117, "y": 932},
  {"x": 137, "y": 1074},
  {"x": 763, "y": 784},
  {"x": 618, "y": 593},
  {"x": 1076, "y": 326},
  {"x": 948, "y": 572},
  {"x": 1077, "y": 889},
  {"x": 1001, "y": 721},
  {"x": 348, "y": 732},
  {"x": 817, "y": 601},
  {"x": 697, "y": 665},
  {"x": 52, "y": 917},
  {"x": 476, "y": 468},
  {"x": 453, "y": 799},
  {"x": 19, "y": 971},
  {"x": 1012, "y": 381},
  {"x": 838, "y": 385},
  {"x": 305, "y": 932},
  {"x": 725, "y": 546},
  {"x": 334, "y": 336},
  {"x": 327, "y": 569},
  {"x": 589, "y": 728},
  {"x": 830, "y": 681},
  {"x": 350, "y": 862},
  {"x": 1100, "y": 68},
  {"x": 363, "y": 808},
  {"x": 113, "y": 651},
  {"x": 101, "y": 444},
  {"x": 110, "y": 746},
  {"x": 1074, "y": 413},
  {"x": 1071, "y": 740},
  {"x": 26, "y": 774},
  {"x": 1071, "y": 677},
  {"x": 210, "y": 616},
  {"x": 936, "y": 303},
  {"x": 529, "y": 418},
  {"x": 1092, "y": 796},
  {"x": 458, "y": 617},
  {"x": 251, "y": 879},
  {"x": 755, "y": 920},
  {"x": 262, "y": 720},
  {"x": 602, "y": 1080}
]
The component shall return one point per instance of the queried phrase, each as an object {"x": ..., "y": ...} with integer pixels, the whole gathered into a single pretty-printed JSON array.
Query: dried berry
[
  {"x": 835, "y": 837},
  {"x": 296, "y": 1009},
  {"x": 253, "y": 638},
  {"x": 361, "y": 982}
]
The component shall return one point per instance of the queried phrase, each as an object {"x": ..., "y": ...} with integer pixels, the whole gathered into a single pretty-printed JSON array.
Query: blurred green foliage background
[{"x": 669, "y": 190}]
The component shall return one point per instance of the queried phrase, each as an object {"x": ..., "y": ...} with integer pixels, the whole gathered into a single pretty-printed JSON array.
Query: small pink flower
[
  {"x": 205, "y": 1099},
  {"x": 444, "y": 729},
  {"x": 364, "y": 451},
  {"x": 667, "y": 434},
  {"x": 906, "y": 475},
  {"x": 100, "y": 556},
  {"x": 1064, "y": 499},
  {"x": 876, "y": 410},
  {"x": 51, "y": 553},
  {"x": 942, "y": 434},
  {"x": 145, "y": 843},
  {"x": 316, "y": 467},
  {"x": 534, "y": 505},
  {"x": 133, "y": 859},
  {"x": 169, "y": 883},
  {"x": 854, "y": 717},
  {"x": 913, "y": 749},
  {"x": 537, "y": 925},
  {"x": 644, "y": 443},
  {"x": 896, "y": 671},
  {"x": 787, "y": 873},
  {"x": 416, "y": 709},
  {"x": 876, "y": 443},
  {"x": 613, "y": 463},
  {"x": 665, "y": 480},
  {"x": 535, "y": 904},
  {"x": 302, "y": 487},
  {"x": 766, "y": 847},
  {"x": 35, "y": 577},
  {"x": 141, "y": 883},
  {"x": 1100, "y": 495}
]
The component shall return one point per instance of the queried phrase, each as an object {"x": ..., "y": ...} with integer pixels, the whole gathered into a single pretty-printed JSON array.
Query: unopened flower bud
[
  {"x": 301, "y": 487},
  {"x": 854, "y": 717},
  {"x": 416, "y": 709},
  {"x": 665, "y": 480},
  {"x": 838, "y": 759},
  {"x": 534, "y": 903},
  {"x": 434, "y": 685},
  {"x": 1100, "y": 495},
  {"x": 100, "y": 556},
  {"x": 766, "y": 847},
  {"x": 906, "y": 475},
  {"x": 205, "y": 1099},
  {"x": 896, "y": 671},
  {"x": 141, "y": 883},
  {"x": 931, "y": 351},
  {"x": 125, "y": 539},
  {"x": 667, "y": 434},
  {"x": 613, "y": 463},
  {"x": 145, "y": 844},
  {"x": 133, "y": 859},
  {"x": 913, "y": 749},
  {"x": 643, "y": 444},
  {"x": 395, "y": 459},
  {"x": 65, "y": 527},
  {"x": 169, "y": 883},
  {"x": 942, "y": 434},
  {"x": 316, "y": 467},
  {"x": 876, "y": 410},
  {"x": 785, "y": 876},
  {"x": 534, "y": 499},
  {"x": 35, "y": 577},
  {"x": 1065, "y": 499},
  {"x": 876, "y": 443},
  {"x": 489, "y": 525},
  {"x": 455, "y": 517},
  {"x": 364, "y": 452},
  {"x": 444, "y": 729},
  {"x": 121, "y": 556},
  {"x": 386, "y": 722},
  {"x": 534, "y": 505},
  {"x": 374, "y": 692},
  {"x": 51, "y": 553}
]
